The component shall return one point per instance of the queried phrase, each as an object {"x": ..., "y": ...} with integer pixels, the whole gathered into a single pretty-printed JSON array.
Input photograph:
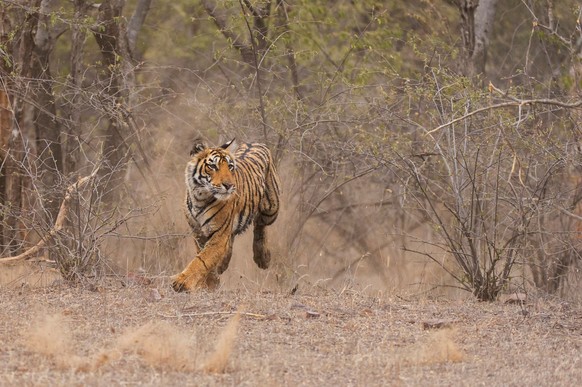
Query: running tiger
[{"x": 227, "y": 189}]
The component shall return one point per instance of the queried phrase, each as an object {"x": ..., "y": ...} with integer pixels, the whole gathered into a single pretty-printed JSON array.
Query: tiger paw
[
  {"x": 262, "y": 257},
  {"x": 179, "y": 286},
  {"x": 185, "y": 283}
]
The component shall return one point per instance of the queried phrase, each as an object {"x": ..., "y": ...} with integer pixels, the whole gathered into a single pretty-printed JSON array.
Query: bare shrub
[{"x": 493, "y": 188}]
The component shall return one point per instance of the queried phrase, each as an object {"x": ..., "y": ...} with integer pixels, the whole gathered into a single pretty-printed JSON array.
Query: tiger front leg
[{"x": 201, "y": 272}]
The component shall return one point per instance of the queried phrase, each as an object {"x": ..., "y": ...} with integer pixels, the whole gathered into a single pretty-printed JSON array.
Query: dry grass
[
  {"x": 218, "y": 359},
  {"x": 159, "y": 344},
  {"x": 58, "y": 335},
  {"x": 162, "y": 345},
  {"x": 439, "y": 347},
  {"x": 50, "y": 337}
]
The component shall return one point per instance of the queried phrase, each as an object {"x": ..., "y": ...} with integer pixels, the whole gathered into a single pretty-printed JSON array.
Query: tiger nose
[{"x": 228, "y": 186}]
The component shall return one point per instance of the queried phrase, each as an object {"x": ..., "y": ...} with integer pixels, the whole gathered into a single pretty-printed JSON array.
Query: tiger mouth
[{"x": 222, "y": 194}]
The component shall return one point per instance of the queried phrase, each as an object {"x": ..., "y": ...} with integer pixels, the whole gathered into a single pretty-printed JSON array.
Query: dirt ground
[{"x": 138, "y": 331}]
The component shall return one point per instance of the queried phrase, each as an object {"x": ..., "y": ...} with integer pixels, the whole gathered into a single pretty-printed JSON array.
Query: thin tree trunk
[
  {"x": 6, "y": 118},
  {"x": 477, "y": 17},
  {"x": 484, "y": 18},
  {"x": 136, "y": 22},
  {"x": 15, "y": 183},
  {"x": 467, "y": 9},
  {"x": 16, "y": 123},
  {"x": 73, "y": 108},
  {"x": 5, "y": 129},
  {"x": 108, "y": 35},
  {"x": 116, "y": 42},
  {"x": 246, "y": 50},
  {"x": 48, "y": 141}
]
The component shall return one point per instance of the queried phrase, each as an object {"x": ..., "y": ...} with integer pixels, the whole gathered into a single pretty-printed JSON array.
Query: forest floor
[{"x": 138, "y": 331}]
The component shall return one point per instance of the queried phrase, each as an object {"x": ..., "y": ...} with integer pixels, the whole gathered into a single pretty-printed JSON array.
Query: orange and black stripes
[{"x": 228, "y": 189}]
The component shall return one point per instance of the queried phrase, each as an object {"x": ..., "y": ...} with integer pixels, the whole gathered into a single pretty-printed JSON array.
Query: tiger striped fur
[{"x": 227, "y": 189}]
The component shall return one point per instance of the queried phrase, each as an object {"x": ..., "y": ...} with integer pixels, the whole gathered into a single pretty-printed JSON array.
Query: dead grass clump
[
  {"x": 51, "y": 337},
  {"x": 162, "y": 346},
  {"x": 439, "y": 347},
  {"x": 218, "y": 359},
  {"x": 158, "y": 343}
]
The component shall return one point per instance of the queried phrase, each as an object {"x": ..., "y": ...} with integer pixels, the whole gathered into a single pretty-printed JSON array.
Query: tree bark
[
  {"x": 6, "y": 116},
  {"x": 477, "y": 17},
  {"x": 115, "y": 42},
  {"x": 108, "y": 35},
  {"x": 484, "y": 18},
  {"x": 15, "y": 123},
  {"x": 75, "y": 83},
  {"x": 245, "y": 49},
  {"x": 136, "y": 22},
  {"x": 467, "y": 10},
  {"x": 48, "y": 141}
]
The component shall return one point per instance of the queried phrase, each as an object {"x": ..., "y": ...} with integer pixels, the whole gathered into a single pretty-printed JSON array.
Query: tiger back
[{"x": 228, "y": 188}]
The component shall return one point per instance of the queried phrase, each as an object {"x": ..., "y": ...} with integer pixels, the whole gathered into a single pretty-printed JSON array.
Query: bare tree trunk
[
  {"x": 14, "y": 191},
  {"x": 467, "y": 9},
  {"x": 73, "y": 108},
  {"x": 108, "y": 36},
  {"x": 484, "y": 18},
  {"x": 5, "y": 118},
  {"x": 48, "y": 141},
  {"x": 15, "y": 123},
  {"x": 477, "y": 17},
  {"x": 116, "y": 42},
  {"x": 5, "y": 126},
  {"x": 254, "y": 49},
  {"x": 245, "y": 49},
  {"x": 135, "y": 24},
  {"x": 283, "y": 9}
]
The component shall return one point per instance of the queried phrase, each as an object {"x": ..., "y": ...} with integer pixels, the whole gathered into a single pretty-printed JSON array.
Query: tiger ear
[
  {"x": 230, "y": 146},
  {"x": 197, "y": 147}
]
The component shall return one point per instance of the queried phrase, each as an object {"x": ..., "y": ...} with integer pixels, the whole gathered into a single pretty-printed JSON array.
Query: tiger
[{"x": 227, "y": 188}]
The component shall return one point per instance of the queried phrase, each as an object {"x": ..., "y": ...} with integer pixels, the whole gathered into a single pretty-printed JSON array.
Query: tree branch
[
  {"x": 59, "y": 223},
  {"x": 245, "y": 50},
  {"x": 514, "y": 102}
]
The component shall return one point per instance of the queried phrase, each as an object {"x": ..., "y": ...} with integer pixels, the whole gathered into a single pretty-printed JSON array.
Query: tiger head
[{"x": 211, "y": 170}]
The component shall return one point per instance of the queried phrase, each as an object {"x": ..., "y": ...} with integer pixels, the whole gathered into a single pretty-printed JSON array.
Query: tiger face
[{"x": 210, "y": 172}]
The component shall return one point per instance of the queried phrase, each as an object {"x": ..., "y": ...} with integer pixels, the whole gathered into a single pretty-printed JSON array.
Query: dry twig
[
  {"x": 202, "y": 314},
  {"x": 59, "y": 223},
  {"x": 515, "y": 102}
]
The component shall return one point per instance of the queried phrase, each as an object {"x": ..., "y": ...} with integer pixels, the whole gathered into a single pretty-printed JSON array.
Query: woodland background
[{"x": 424, "y": 145}]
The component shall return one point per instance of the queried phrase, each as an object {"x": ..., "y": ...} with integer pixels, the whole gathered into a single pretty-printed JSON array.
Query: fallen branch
[{"x": 59, "y": 222}]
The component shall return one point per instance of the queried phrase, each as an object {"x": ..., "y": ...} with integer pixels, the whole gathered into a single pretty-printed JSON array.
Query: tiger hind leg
[
  {"x": 261, "y": 253},
  {"x": 268, "y": 211}
]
